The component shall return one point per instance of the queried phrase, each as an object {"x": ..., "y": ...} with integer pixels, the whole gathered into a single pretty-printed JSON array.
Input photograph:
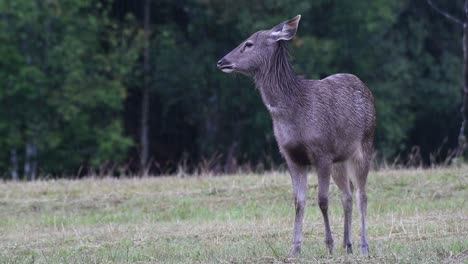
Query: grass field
[{"x": 414, "y": 216}]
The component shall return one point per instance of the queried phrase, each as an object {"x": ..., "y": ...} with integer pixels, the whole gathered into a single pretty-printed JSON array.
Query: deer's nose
[{"x": 222, "y": 62}]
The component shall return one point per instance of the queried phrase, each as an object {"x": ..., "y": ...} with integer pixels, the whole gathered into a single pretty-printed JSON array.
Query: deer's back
[{"x": 334, "y": 119}]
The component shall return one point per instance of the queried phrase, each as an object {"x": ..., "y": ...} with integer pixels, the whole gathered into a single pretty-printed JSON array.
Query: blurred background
[{"x": 125, "y": 86}]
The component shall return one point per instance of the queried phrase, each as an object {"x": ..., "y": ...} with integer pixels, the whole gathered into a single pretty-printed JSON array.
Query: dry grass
[{"x": 414, "y": 216}]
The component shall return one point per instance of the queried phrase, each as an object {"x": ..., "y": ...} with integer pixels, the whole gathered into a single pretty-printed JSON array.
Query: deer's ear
[{"x": 286, "y": 30}]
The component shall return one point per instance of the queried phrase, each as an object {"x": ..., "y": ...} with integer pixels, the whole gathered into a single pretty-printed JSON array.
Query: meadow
[{"x": 414, "y": 216}]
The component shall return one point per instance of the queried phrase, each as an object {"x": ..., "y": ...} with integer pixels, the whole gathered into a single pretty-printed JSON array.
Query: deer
[{"x": 327, "y": 124}]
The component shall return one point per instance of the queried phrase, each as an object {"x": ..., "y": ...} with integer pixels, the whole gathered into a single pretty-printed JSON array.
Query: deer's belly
[
  {"x": 292, "y": 145},
  {"x": 297, "y": 153}
]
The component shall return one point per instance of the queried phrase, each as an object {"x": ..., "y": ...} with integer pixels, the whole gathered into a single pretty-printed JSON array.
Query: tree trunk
[
  {"x": 145, "y": 104},
  {"x": 464, "y": 108},
  {"x": 33, "y": 162},
  {"x": 460, "y": 150},
  {"x": 30, "y": 161},
  {"x": 14, "y": 164},
  {"x": 27, "y": 159}
]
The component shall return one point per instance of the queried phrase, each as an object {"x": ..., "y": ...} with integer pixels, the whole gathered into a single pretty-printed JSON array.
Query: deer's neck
[{"x": 278, "y": 83}]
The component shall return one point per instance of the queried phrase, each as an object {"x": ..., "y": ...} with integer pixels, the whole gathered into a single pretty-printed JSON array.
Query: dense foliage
[{"x": 71, "y": 78}]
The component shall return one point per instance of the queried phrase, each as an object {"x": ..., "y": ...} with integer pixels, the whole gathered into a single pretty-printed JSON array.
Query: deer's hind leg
[
  {"x": 357, "y": 168},
  {"x": 340, "y": 177}
]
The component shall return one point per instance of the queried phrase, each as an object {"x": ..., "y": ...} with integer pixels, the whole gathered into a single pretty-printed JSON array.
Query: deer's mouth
[{"x": 227, "y": 68}]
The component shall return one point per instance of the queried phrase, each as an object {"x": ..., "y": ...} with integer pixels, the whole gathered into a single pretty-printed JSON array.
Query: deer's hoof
[
  {"x": 295, "y": 251},
  {"x": 349, "y": 248},
  {"x": 330, "y": 246},
  {"x": 364, "y": 250}
]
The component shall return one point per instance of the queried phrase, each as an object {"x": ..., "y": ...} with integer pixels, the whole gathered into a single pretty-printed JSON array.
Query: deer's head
[{"x": 257, "y": 50}]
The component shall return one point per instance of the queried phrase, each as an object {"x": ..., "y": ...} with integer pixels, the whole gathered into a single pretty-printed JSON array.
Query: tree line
[{"x": 120, "y": 85}]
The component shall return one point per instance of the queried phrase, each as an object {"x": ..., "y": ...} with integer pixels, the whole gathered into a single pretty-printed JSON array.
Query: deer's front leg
[
  {"x": 323, "y": 171},
  {"x": 299, "y": 182}
]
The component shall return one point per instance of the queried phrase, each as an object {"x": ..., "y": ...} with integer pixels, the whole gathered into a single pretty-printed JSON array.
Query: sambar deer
[{"x": 327, "y": 123}]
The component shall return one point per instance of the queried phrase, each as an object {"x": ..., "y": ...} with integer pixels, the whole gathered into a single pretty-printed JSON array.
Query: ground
[{"x": 414, "y": 216}]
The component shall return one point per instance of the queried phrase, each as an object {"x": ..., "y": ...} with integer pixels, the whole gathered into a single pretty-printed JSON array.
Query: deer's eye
[{"x": 248, "y": 44}]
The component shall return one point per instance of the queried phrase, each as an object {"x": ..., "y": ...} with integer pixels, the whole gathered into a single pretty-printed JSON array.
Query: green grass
[{"x": 414, "y": 216}]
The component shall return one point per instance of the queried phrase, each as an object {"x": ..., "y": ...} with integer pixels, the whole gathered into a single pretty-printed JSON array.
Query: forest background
[{"x": 119, "y": 85}]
